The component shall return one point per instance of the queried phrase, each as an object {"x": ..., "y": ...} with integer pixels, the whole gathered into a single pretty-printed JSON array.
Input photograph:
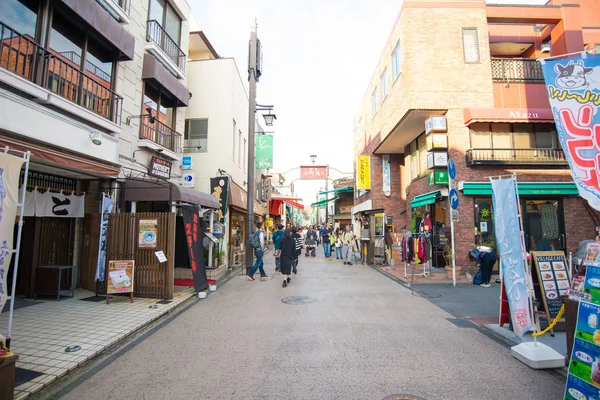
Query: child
[{"x": 338, "y": 246}]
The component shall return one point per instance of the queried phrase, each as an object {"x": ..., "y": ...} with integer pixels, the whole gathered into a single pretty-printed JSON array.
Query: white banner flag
[
  {"x": 10, "y": 172},
  {"x": 29, "y": 208},
  {"x": 51, "y": 204}
]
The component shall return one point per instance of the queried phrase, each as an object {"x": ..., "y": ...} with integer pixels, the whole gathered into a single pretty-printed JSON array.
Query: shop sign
[
  {"x": 160, "y": 168},
  {"x": 386, "y": 175},
  {"x": 313, "y": 172},
  {"x": 120, "y": 276},
  {"x": 107, "y": 205},
  {"x": 438, "y": 177},
  {"x": 270, "y": 222},
  {"x": 10, "y": 171},
  {"x": 363, "y": 172},
  {"x": 188, "y": 180},
  {"x": 436, "y": 123},
  {"x": 264, "y": 152},
  {"x": 436, "y": 141},
  {"x": 220, "y": 189},
  {"x": 438, "y": 159},
  {"x": 551, "y": 268},
  {"x": 147, "y": 235},
  {"x": 186, "y": 162}
]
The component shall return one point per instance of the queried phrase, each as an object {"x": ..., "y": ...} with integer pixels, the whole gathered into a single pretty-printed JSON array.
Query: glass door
[{"x": 543, "y": 223}]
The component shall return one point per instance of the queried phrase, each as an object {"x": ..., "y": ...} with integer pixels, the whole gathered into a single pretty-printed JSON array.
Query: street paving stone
[{"x": 364, "y": 337}]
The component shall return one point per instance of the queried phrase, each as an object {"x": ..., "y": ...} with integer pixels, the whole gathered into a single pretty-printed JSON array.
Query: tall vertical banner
[
  {"x": 574, "y": 89},
  {"x": 107, "y": 206},
  {"x": 264, "y": 152},
  {"x": 10, "y": 171},
  {"x": 193, "y": 238},
  {"x": 363, "y": 173},
  {"x": 508, "y": 237},
  {"x": 220, "y": 189}
]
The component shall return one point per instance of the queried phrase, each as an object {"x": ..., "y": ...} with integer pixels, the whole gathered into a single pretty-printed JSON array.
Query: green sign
[
  {"x": 264, "y": 151},
  {"x": 438, "y": 177}
]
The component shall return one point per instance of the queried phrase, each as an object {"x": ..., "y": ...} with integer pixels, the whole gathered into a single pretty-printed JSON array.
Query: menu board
[{"x": 551, "y": 267}]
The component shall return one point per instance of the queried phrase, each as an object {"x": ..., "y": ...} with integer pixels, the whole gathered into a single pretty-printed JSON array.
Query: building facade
[{"x": 483, "y": 84}]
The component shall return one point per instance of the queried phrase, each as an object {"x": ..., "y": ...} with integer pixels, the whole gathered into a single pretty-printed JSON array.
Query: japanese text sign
[
  {"x": 313, "y": 172},
  {"x": 363, "y": 173}
]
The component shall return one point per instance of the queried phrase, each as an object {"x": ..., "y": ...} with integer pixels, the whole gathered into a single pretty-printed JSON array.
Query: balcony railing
[
  {"x": 158, "y": 35},
  {"x": 92, "y": 68},
  {"x": 22, "y": 56},
  {"x": 517, "y": 70},
  {"x": 161, "y": 134},
  {"x": 515, "y": 156}
]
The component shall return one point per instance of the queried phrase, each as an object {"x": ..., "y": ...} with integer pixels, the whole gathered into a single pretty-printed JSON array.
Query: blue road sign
[
  {"x": 451, "y": 169},
  {"x": 453, "y": 199}
]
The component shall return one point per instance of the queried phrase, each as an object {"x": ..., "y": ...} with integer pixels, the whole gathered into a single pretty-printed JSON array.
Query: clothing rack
[{"x": 427, "y": 266}]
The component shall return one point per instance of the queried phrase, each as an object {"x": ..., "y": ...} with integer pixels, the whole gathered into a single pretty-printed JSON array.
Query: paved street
[{"x": 363, "y": 337}]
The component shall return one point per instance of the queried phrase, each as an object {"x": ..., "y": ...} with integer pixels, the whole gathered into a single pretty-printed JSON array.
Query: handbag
[{"x": 277, "y": 253}]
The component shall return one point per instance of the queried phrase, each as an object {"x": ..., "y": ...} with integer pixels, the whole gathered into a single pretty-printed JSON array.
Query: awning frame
[
  {"x": 159, "y": 190},
  {"x": 425, "y": 199},
  {"x": 560, "y": 189},
  {"x": 323, "y": 202},
  {"x": 340, "y": 190}
]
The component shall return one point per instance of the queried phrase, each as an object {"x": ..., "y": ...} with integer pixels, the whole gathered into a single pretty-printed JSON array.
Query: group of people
[{"x": 290, "y": 242}]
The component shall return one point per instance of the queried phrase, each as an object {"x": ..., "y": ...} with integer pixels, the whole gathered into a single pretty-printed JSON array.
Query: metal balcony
[
  {"x": 20, "y": 55},
  {"x": 515, "y": 157},
  {"x": 161, "y": 134},
  {"x": 158, "y": 35},
  {"x": 517, "y": 70}
]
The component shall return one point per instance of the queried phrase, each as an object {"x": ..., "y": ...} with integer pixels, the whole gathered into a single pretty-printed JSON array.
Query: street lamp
[{"x": 313, "y": 158}]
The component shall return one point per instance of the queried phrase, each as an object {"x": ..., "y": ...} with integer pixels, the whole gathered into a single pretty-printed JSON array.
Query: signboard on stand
[
  {"x": 553, "y": 277},
  {"x": 120, "y": 278}
]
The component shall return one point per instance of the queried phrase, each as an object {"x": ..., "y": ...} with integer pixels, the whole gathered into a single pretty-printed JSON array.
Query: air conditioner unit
[{"x": 545, "y": 47}]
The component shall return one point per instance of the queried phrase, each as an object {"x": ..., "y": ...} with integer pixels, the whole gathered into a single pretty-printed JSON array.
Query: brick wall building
[{"x": 474, "y": 65}]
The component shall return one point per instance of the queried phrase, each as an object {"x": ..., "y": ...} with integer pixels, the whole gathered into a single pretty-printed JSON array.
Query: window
[
  {"x": 239, "y": 160},
  {"x": 159, "y": 106},
  {"x": 196, "y": 134},
  {"x": 470, "y": 45},
  {"x": 384, "y": 87},
  {"x": 374, "y": 101},
  {"x": 167, "y": 18},
  {"x": 233, "y": 141},
  {"x": 245, "y": 157},
  {"x": 20, "y": 15},
  {"x": 417, "y": 157},
  {"x": 396, "y": 62},
  {"x": 513, "y": 136},
  {"x": 480, "y": 136}
]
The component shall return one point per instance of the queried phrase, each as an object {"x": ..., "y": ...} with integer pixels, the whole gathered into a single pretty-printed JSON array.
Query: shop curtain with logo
[{"x": 194, "y": 235}]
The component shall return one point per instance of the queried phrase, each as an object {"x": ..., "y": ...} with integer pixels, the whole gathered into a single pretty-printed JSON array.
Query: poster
[
  {"x": 592, "y": 254},
  {"x": 194, "y": 237},
  {"x": 573, "y": 86},
  {"x": 147, "y": 233},
  {"x": 120, "y": 276},
  {"x": 551, "y": 268},
  {"x": 10, "y": 172},
  {"x": 508, "y": 236},
  {"x": 220, "y": 189},
  {"x": 591, "y": 284},
  {"x": 107, "y": 205}
]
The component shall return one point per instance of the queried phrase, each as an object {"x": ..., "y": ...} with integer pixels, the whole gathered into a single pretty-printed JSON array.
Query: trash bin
[{"x": 7, "y": 377}]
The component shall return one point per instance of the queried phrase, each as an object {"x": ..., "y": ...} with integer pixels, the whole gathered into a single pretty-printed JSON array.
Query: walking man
[
  {"x": 277, "y": 236},
  {"x": 348, "y": 245},
  {"x": 326, "y": 242},
  {"x": 257, "y": 241}
]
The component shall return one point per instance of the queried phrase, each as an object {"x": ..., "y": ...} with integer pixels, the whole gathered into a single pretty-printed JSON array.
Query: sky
[{"x": 318, "y": 59}]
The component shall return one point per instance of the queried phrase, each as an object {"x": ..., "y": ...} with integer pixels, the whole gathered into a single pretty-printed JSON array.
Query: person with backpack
[
  {"x": 288, "y": 254},
  {"x": 257, "y": 243},
  {"x": 276, "y": 238},
  {"x": 298, "y": 247}
]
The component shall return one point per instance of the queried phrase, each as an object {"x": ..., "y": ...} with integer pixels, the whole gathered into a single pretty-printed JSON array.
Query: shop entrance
[{"x": 544, "y": 224}]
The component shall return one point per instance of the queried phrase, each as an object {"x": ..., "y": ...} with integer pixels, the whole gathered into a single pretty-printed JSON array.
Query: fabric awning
[
  {"x": 525, "y": 188},
  {"x": 340, "y": 190},
  {"x": 362, "y": 207},
  {"x": 425, "y": 199},
  {"x": 154, "y": 71},
  {"x": 292, "y": 201},
  {"x": 323, "y": 202},
  {"x": 342, "y": 216},
  {"x": 163, "y": 191},
  {"x": 238, "y": 198},
  {"x": 516, "y": 115}
]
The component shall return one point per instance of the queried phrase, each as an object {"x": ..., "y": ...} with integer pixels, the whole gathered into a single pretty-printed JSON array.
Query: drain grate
[
  {"x": 461, "y": 323},
  {"x": 402, "y": 397},
  {"x": 298, "y": 300},
  {"x": 426, "y": 295}
]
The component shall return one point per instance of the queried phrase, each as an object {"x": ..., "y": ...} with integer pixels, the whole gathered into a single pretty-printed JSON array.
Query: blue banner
[
  {"x": 107, "y": 205},
  {"x": 574, "y": 89},
  {"x": 508, "y": 238}
]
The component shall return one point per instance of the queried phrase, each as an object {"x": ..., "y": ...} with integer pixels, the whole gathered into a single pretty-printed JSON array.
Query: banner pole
[{"x": 17, "y": 249}]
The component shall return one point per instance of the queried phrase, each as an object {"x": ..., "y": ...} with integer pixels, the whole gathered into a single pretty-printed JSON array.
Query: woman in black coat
[{"x": 288, "y": 255}]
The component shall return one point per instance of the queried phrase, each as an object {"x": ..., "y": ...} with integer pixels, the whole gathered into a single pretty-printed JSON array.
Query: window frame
[
  {"x": 476, "y": 43},
  {"x": 383, "y": 83},
  {"x": 396, "y": 62},
  {"x": 374, "y": 102},
  {"x": 186, "y": 138},
  {"x": 163, "y": 21},
  {"x": 537, "y": 129}
]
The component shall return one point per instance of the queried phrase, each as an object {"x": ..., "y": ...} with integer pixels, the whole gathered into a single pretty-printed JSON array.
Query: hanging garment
[
  {"x": 416, "y": 250},
  {"x": 427, "y": 223},
  {"x": 549, "y": 221},
  {"x": 413, "y": 222},
  {"x": 411, "y": 250}
]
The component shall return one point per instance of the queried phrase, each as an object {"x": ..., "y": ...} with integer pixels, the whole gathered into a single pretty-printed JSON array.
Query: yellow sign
[
  {"x": 363, "y": 173},
  {"x": 270, "y": 222}
]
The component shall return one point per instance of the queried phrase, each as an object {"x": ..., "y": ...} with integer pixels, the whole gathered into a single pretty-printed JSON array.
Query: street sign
[
  {"x": 452, "y": 184},
  {"x": 454, "y": 215},
  {"x": 451, "y": 169},
  {"x": 186, "y": 162},
  {"x": 453, "y": 196}
]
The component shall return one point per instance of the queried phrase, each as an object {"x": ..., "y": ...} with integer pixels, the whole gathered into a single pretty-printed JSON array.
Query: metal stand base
[{"x": 537, "y": 355}]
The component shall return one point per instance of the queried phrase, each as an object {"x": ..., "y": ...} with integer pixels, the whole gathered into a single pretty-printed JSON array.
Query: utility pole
[
  {"x": 253, "y": 78},
  {"x": 327, "y": 196}
]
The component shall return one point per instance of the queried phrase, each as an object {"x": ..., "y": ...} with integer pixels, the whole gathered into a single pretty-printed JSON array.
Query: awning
[
  {"x": 292, "y": 201},
  {"x": 323, "y": 202},
  {"x": 238, "y": 198},
  {"x": 342, "y": 216},
  {"x": 155, "y": 72},
  {"x": 340, "y": 190},
  {"x": 515, "y": 115},
  {"x": 361, "y": 207},
  {"x": 101, "y": 21},
  {"x": 525, "y": 188},
  {"x": 425, "y": 199},
  {"x": 163, "y": 191}
]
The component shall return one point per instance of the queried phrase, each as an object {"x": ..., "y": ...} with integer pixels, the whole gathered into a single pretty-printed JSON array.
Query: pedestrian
[
  {"x": 325, "y": 234},
  {"x": 348, "y": 243},
  {"x": 288, "y": 254},
  {"x": 276, "y": 238},
  {"x": 298, "y": 247},
  {"x": 257, "y": 241},
  {"x": 486, "y": 258},
  {"x": 338, "y": 245}
]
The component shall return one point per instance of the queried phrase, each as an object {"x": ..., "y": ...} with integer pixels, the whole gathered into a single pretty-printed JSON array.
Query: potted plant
[{"x": 448, "y": 258}]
